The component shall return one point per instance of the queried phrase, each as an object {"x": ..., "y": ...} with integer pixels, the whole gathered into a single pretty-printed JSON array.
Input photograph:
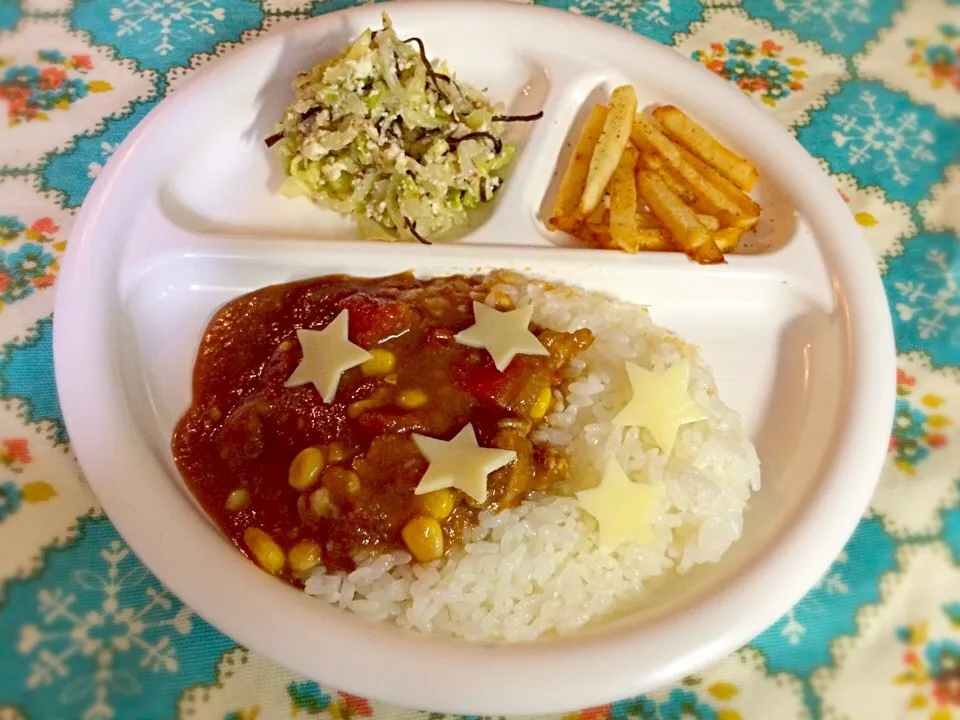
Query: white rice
[{"x": 536, "y": 569}]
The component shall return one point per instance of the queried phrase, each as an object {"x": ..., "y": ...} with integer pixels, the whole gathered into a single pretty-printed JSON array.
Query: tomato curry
[{"x": 297, "y": 483}]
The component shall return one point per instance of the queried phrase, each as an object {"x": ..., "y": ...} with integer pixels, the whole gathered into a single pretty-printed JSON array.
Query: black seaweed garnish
[
  {"x": 497, "y": 143},
  {"x": 310, "y": 112},
  {"x": 435, "y": 76},
  {"x": 412, "y": 227},
  {"x": 518, "y": 118}
]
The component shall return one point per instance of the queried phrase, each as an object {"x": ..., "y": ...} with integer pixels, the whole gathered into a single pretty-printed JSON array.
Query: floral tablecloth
[{"x": 871, "y": 87}]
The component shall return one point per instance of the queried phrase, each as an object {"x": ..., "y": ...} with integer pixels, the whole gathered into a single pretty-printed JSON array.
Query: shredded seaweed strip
[
  {"x": 273, "y": 139},
  {"x": 311, "y": 112},
  {"x": 412, "y": 227},
  {"x": 518, "y": 118},
  {"x": 497, "y": 143},
  {"x": 436, "y": 77}
]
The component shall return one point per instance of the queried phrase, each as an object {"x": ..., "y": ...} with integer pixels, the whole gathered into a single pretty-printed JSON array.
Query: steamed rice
[{"x": 536, "y": 568}]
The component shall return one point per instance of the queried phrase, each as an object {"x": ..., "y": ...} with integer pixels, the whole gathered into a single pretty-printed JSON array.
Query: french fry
[
  {"x": 677, "y": 186},
  {"x": 656, "y": 239},
  {"x": 600, "y": 216},
  {"x": 649, "y": 239},
  {"x": 680, "y": 128},
  {"x": 709, "y": 222},
  {"x": 750, "y": 208},
  {"x": 566, "y": 208},
  {"x": 564, "y": 224},
  {"x": 610, "y": 146},
  {"x": 708, "y": 197},
  {"x": 687, "y": 231},
  {"x": 623, "y": 202},
  {"x": 727, "y": 239},
  {"x": 652, "y": 160},
  {"x": 646, "y": 219},
  {"x": 594, "y": 236}
]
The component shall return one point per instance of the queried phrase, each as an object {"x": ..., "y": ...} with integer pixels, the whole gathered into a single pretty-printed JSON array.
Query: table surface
[{"x": 871, "y": 87}]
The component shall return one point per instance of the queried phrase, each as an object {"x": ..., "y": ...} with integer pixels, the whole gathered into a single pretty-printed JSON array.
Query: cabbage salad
[{"x": 381, "y": 133}]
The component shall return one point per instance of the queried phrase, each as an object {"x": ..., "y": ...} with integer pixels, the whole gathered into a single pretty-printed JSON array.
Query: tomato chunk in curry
[{"x": 297, "y": 483}]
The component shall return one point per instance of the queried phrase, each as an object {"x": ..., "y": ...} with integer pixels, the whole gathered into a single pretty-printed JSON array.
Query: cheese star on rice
[
  {"x": 622, "y": 508},
  {"x": 661, "y": 403}
]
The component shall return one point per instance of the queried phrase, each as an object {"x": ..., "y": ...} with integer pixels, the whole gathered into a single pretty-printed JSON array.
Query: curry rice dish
[{"x": 451, "y": 484}]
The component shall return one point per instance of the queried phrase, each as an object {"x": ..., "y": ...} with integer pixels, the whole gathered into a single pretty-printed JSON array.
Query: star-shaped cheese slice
[
  {"x": 661, "y": 403},
  {"x": 503, "y": 334},
  {"x": 327, "y": 354},
  {"x": 459, "y": 463},
  {"x": 622, "y": 508}
]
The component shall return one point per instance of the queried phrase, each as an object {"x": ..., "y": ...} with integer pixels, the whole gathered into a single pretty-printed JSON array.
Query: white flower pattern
[
  {"x": 624, "y": 12},
  {"x": 106, "y": 150},
  {"x": 832, "y": 583},
  {"x": 833, "y": 15},
  {"x": 169, "y": 20},
  {"x": 104, "y": 635},
  {"x": 932, "y": 299},
  {"x": 871, "y": 132}
]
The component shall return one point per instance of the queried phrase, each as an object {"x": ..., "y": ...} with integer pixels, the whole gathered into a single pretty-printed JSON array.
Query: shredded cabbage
[{"x": 379, "y": 132}]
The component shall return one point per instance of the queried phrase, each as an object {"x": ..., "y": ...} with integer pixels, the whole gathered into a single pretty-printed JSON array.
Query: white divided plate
[{"x": 187, "y": 216}]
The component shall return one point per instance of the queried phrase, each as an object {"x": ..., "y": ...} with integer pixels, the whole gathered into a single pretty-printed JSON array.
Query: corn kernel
[
  {"x": 412, "y": 399},
  {"x": 378, "y": 398},
  {"x": 339, "y": 480},
  {"x": 237, "y": 500},
  {"x": 305, "y": 468},
  {"x": 503, "y": 301},
  {"x": 542, "y": 404},
  {"x": 335, "y": 452},
  {"x": 382, "y": 363},
  {"x": 423, "y": 536},
  {"x": 267, "y": 553},
  {"x": 321, "y": 504},
  {"x": 304, "y": 556},
  {"x": 438, "y": 503}
]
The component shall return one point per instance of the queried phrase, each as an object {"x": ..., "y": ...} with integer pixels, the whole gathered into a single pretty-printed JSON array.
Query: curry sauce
[{"x": 295, "y": 482}]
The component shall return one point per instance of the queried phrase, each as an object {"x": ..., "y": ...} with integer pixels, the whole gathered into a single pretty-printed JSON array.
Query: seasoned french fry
[
  {"x": 594, "y": 236},
  {"x": 656, "y": 239},
  {"x": 610, "y": 146},
  {"x": 564, "y": 224},
  {"x": 566, "y": 208},
  {"x": 680, "y": 128},
  {"x": 687, "y": 231},
  {"x": 711, "y": 199},
  {"x": 652, "y": 160},
  {"x": 648, "y": 239},
  {"x": 646, "y": 219},
  {"x": 600, "y": 216},
  {"x": 623, "y": 202},
  {"x": 728, "y": 239},
  {"x": 677, "y": 187},
  {"x": 709, "y": 222},
  {"x": 750, "y": 208}
]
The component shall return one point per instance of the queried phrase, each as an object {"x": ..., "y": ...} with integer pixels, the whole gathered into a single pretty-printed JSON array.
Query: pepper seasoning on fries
[{"x": 657, "y": 181}]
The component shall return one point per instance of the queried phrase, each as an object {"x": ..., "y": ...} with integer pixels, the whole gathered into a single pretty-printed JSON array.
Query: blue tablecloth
[{"x": 871, "y": 87}]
